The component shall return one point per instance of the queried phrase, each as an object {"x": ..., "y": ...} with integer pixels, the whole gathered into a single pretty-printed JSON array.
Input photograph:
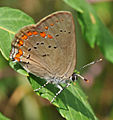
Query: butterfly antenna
[
  {"x": 96, "y": 61},
  {"x": 78, "y": 75}
]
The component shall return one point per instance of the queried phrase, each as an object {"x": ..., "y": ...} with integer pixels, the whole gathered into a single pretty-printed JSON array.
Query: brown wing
[{"x": 50, "y": 50}]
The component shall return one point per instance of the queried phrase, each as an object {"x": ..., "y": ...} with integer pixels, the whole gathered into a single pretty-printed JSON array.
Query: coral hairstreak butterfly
[{"x": 48, "y": 49}]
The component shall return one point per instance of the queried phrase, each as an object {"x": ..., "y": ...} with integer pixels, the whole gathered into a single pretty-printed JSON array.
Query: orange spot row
[
  {"x": 21, "y": 42},
  {"x": 19, "y": 54},
  {"x": 42, "y": 34}
]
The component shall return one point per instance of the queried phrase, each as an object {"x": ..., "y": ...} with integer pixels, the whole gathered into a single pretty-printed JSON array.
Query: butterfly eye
[{"x": 73, "y": 77}]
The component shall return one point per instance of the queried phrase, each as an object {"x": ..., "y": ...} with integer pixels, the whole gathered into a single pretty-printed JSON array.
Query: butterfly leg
[
  {"x": 42, "y": 86},
  {"x": 61, "y": 89}
]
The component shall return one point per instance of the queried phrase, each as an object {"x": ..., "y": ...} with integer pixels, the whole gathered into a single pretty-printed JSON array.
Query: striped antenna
[
  {"x": 91, "y": 63},
  {"x": 77, "y": 73}
]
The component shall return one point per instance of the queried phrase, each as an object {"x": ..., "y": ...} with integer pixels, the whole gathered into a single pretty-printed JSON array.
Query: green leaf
[
  {"x": 3, "y": 117},
  {"x": 11, "y": 20},
  {"x": 93, "y": 29},
  {"x": 71, "y": 103}
]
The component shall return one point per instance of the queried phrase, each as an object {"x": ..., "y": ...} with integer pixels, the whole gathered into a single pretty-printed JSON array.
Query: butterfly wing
[{"x": 48, "y": 48}]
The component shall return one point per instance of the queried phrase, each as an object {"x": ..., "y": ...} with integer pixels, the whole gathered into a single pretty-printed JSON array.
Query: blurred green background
[{"x": 17, "y": 99}]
